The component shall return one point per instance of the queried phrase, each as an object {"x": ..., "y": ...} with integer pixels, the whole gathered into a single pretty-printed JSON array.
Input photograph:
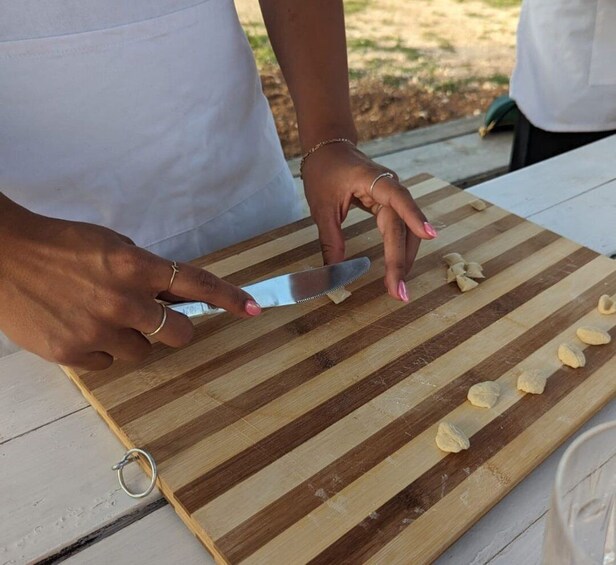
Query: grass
[
  {"x": 261, "y": 46},
  {"x": 355, "y": 6}
]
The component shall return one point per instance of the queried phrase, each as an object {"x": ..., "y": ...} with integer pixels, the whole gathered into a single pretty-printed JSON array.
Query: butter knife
[{"x": 289, "y": 289}]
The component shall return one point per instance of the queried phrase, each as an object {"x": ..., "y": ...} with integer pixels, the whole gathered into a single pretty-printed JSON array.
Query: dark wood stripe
[
  {"x": 279, "y": 233},
  {"x": 206, "y": 372},
  {"x": 206, "y": 488},
  {"x": 254, "y": 272},
  {"x": 232, "y": 410},
  {"x": 366, "y": 539},
  {"x": 249, "y": 536}
]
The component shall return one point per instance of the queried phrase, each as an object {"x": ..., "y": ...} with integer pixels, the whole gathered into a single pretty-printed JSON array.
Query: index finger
[
  {"x": 389, "y": 192},
  {"x": 193, "y": 283}
]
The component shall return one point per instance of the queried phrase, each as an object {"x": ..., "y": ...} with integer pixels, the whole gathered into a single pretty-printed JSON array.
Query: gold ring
[
  {"x": 382, "y": 175},
  {"x": 176, "y": 270},
  {"x": 162, "y": 322}
]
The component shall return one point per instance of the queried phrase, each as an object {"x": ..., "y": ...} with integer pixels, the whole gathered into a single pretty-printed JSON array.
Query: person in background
[
  {"x": 135, "y": 135},
  {"x": 564, "y": 80}
]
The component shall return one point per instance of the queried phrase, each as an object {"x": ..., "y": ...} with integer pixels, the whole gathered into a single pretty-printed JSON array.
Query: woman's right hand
[{"x": 81, "y": 295}]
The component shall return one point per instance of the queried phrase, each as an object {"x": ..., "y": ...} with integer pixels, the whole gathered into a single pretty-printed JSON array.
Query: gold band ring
[
  {"x": 162, "y": 322},
  {"x": 382, "y": 175},
  {"x": 176, "y": 270}
]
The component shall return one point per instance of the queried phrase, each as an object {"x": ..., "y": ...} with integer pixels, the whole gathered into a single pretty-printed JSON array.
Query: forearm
[{"x": 308, "y": 38}]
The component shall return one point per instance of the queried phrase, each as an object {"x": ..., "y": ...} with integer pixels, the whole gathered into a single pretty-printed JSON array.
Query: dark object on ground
[{"x": 502, "y": 114}]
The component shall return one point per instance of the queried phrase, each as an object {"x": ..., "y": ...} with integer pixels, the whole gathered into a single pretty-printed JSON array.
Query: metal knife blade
[{"x": 289, "y": 289}]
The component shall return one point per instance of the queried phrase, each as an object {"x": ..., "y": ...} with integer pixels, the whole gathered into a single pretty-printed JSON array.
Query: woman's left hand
[{"x": 338, "y": 175}]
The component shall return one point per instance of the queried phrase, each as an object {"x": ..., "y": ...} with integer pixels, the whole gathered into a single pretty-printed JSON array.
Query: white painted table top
[{"x": 58, "y": 495}]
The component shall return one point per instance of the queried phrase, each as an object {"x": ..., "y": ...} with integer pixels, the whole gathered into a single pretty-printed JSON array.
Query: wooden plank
[
  {"x": 324, "y": 422},
  {"x": 412, "y": 138},
  {"x": 33, "y": 393},
  {"x": 160, "y": 538},
  {"x": 57, "y": 486}
]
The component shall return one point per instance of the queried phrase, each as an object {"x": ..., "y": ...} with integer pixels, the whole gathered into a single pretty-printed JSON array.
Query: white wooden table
[{"x": 59, "y": 498}]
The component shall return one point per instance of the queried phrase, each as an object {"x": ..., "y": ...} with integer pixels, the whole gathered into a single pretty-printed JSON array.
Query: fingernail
[
  {"x": 252, "y": 308},
  {"x": 430, "y": 229},
  {"x": 402, "y": 291}
]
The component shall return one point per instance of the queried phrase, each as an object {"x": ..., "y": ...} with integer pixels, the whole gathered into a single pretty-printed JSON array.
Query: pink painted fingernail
[
  {"x": 252, "y": 308},
  {"x": 402, "y": 291},
  {"x": 430, "y": 229}
]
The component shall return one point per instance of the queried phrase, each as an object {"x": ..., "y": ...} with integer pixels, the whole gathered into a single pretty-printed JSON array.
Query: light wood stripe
[
  {"x": 390, "y": 366},
  {"x": 308, "y": 433},
  {"x": 321, "y": 459}
]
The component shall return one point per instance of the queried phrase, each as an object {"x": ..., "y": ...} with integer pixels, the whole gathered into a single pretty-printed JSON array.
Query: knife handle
[{"x": 195, "y": 309}]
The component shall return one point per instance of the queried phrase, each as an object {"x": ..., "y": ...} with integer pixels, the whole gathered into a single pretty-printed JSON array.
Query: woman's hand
[
  {"x": 338, "y": 175},
  {"x": 81, "y": 295}
]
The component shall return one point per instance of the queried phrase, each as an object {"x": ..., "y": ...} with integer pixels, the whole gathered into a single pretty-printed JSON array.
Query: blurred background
[{"x": 412, "y": 63}]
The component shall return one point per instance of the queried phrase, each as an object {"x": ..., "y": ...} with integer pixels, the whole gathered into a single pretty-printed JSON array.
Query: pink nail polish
[
  {"x": 252, "y": 308},
  {"x": 402, "y": 291},
  {"x": 430, "y": 229}
]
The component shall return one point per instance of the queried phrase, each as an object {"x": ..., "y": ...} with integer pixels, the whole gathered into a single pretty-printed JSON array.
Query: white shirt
[
  {"x": 565, "y": 74},
  {"x": 145, "y": 116}
]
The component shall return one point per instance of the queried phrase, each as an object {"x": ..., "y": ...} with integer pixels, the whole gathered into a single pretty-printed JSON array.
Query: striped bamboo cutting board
[{"x": 307, "y": 434}]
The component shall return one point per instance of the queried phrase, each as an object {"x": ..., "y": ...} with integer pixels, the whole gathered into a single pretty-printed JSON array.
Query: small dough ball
[
  {"x": 454, "y": 271},
  {"x": 465, "y": 284},
  {"x": 474, "y": 270},
  {"x": 571, "y": 355},
  {"x": 453, "y": 258},
  {"x": 484, "y": 394},
  {"x": 606, "y": 305},
  {"x": 338, "y": 295},
  {"x": 532, "y": 381},
  {"x": 450, "y": 438},
  {"x": 478, "y": 204},
  {"x": 593, "y": 336}
]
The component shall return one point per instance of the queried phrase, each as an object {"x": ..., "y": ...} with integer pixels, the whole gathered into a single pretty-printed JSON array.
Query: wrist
[{"x": 311, "y": 136}]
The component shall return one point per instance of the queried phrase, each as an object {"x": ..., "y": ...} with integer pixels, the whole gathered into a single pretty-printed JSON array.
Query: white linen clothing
[
  {"x": 564, "y": 79},
  {"x": 144, "y": 116}
]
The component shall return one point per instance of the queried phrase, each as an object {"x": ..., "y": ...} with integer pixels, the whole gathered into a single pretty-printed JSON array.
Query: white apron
[
  {"x": 565, "y": 74},
  {"x": 149, "y": 120}
]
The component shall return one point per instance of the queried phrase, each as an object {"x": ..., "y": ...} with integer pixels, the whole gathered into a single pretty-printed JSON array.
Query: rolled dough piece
[
  {"x": 532, "y": 381},
  {"x": 478, "y": 204},
  {"x": 465, "y": 284},
  {"x": 474, "y": 270},
  {"x": 339, "y": 295},
  {"x": 571, "y": 355},
  {"x": 593, "y": 336},
  {"x": 450, "y": 438},
  {"x": 484, "y": 394},
  {"x": 454, "y": 271},
  {"x": 453, "y": 258},
  {"x": 606, "y": 305}
]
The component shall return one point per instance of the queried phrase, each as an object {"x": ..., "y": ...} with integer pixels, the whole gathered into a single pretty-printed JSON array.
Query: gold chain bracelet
[{"x": 318, "y": 146}]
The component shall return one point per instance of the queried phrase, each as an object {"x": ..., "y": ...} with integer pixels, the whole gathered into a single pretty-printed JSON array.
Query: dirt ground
[{"x": 411, "y": 62}]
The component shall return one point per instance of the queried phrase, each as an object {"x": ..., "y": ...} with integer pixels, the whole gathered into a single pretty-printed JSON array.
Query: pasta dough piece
[
  {"x": 465, "y": 284},
  {"x": 453, "y": 258},
  {"x": 338, "y": 295},
  {"x": 571, "y": 355},
  {"x": 454, "y": 271},
  {"x": 484, "y": 394},
  {"x": 450, "y": 438},
  {"x": 606, "y": 305},
  {"x": 474, "y": 270},
  {"x": 593, "y": 336},
  {"x": 478, "y": 204},
  {"x": 532, "y": 381}
]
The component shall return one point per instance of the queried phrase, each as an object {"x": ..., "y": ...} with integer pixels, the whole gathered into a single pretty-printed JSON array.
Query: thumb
[{"x": 331, "y": 239}]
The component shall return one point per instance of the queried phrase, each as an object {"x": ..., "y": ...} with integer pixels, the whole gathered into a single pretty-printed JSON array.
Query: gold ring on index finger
[
  {"x": 162, "y": 322},
  {"x": 176, "y": 270},
  {"x": 377, "y": 178}
]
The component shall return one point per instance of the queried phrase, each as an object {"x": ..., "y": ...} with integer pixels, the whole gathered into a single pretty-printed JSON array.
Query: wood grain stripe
[
  {"x": 207, "y": 487},
  {"x": 366, "y": 539},
  {"x": 224, "y": 415},
  {"x": 243, "y": 540},
  {"x": 203, "y": 373}
]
